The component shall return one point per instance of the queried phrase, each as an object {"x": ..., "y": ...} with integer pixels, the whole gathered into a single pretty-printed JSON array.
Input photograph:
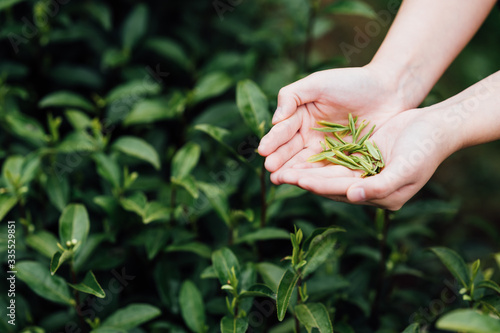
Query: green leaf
[
  {"x": 253, "y": 106},
  {"x": 131, "y": 316},
  {"x": 314, "y": 315},
  {"x": 136, "y": 203},
  {"x": 490, "y": 285},
  {"x": 138, "y": 148},
  {"x": 211, "y": 85},
  {"x": 285, "y": 290},
  {"x": 156, "y": 211},
  {"x": 192, "y": 308},
  {"x": 223, "y": 260},
  {"x": 66, "y": 99},
  {"x": 58, "y": 259},
  {"x": 135, "y": 26},
  {"x": 321, "y": 248},
  {"x": 57, "y": 188},
  {"x": 89, "y": 285},
  {"x": 170, "y": 50},
  {"x": 78, "y": 142},
  {"x": 270, "y": 273},
  {"x": 218, "y": 198},
  {"x": 351, "y": 7},
  {"x": 413, "y": 328},
  {"x": 132, "y": 90},
  {"x": 39, "y": 279},
  {"x": 219, "y": 134},
  {"x": 233, "y": 325},
  {"x": 44, "y": 242},
  {"x": 454, "y": 263},
  {"x": 151, "y": 110},
  {"x": 108, "y": 169},
  {"x": 7, "y": 202},
  {"x": 74, "y": 224},
  {"x": 468, "y": 321},
  {"x": 185, "y": 159},
  {"x": 189, "y": 184},
  {"x": 78, "y": 119},
  {"x": 11, "y": 172},
  {"x": 264, "y": 234},
  {"x": 26, "y": 128},
  {"x": 155, "y": 240},
  {"x": 258, "y": 290},
  {"x": 200, "y": 249}
]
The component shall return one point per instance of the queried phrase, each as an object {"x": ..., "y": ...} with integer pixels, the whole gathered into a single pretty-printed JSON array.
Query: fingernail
[
  {"x": 277, "y": 114},
  {"x": 358, "y": 194}
]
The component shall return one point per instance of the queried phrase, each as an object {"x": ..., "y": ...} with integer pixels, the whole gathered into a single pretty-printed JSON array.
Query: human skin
[
  {"x": 413, "y": 143},
  {"x": 423, "y": 40}
]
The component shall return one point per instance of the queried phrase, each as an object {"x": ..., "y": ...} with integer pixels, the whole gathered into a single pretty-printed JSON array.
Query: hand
[
  {"x": 413, "y": 144},
  {"x": 328, "y": 95}
]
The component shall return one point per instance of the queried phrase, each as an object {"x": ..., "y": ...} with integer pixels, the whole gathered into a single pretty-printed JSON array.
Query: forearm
[
  {"x": 424, "y": 39},
  {"x": 471, "y": 117}
]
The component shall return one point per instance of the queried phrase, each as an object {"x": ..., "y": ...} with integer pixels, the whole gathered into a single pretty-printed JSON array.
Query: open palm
[
  {"x": 412, "y": 151},
  {"x": 328, "y": 95}
]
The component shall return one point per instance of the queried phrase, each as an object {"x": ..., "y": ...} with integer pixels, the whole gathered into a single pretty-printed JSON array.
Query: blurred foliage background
[{"x": 128, "y": 136}]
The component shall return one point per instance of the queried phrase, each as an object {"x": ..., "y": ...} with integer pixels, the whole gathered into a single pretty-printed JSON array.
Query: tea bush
[{"x": 132, "y": 198}]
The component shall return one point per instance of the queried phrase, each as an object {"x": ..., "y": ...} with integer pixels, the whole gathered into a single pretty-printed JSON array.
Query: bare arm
[{"x": 424, "y": 39}]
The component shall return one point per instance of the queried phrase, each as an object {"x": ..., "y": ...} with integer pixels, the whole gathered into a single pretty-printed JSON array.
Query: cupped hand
[
  {"x": 413, "y": 144},
  {"x": 329, "y": 95}
]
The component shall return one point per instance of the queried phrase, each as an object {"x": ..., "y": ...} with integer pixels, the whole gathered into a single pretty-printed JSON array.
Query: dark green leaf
[
  {"x": 151, "y": 110},
  {"x": 490, "y": 285},
  {"x": 138, "y": 148},
  {"x": 468, "y": 321},
  {"x": 285, "y": 290},
  {"x": 57, "y": 188},
  {"x": 233, "y": 325},
  {"x": 218, "y": 199},
  {"x": 413, "y": 328},
  {"x": 66, "y": 99},
  {"x": 74, "y": 224},
  {"x": 132, "y": 90},
  {"x": 131, "y": 316},
  {"x": 7, "y": 202},
  {"x": 258, "y": 290},
  {"x": 44, "y": 242},
  {"x": 89, "y": 285},
  {"x": 169, "y": 49},
  {"x": 58, "y": 259},
  {"x": 192, "y": 308},
  {"x": 210, "y": 86},
  {"x": 223, "y": 260},
  {"x": 253, "y": 106},
  {"x": 185, "y": 159},
  {"x": 78, "y": 119},
  {"x": 455, "y": 264},
  {"x": 320, "y": 249},
  {"x": 4, "y": 4},
  {"x": 135, "y": 26},
  {"x": 314, "y": 315},
  {"x": 108, "y": 169},
  {"x": 39, "y": 279},
  {"x": 200, "y": 249},
  {"x": 264, "y": 234}
]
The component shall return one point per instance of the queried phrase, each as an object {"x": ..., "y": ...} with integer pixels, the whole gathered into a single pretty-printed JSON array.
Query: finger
[
  {"x": 379, "y": 186},
  {"x": 327, "y": 186},
  {"x": 292, "y": 96},
  {"x": 279, "y": 134},
  {"x": 293, "y": 175},
  {"x": 300, "y": 157},
  {"x": 284, "y": 153}
]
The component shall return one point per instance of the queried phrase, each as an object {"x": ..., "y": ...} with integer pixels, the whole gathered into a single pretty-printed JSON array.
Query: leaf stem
[{"x": 77, "y": 298}]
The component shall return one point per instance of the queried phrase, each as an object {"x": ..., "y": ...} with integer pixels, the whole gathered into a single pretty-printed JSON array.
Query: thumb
[
  {"x": 298, "y": 93},
  {"x": 376, "y": 187}
]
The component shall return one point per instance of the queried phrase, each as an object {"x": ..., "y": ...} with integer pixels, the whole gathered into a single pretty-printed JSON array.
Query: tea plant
[{"x": 132, "y": 198}]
